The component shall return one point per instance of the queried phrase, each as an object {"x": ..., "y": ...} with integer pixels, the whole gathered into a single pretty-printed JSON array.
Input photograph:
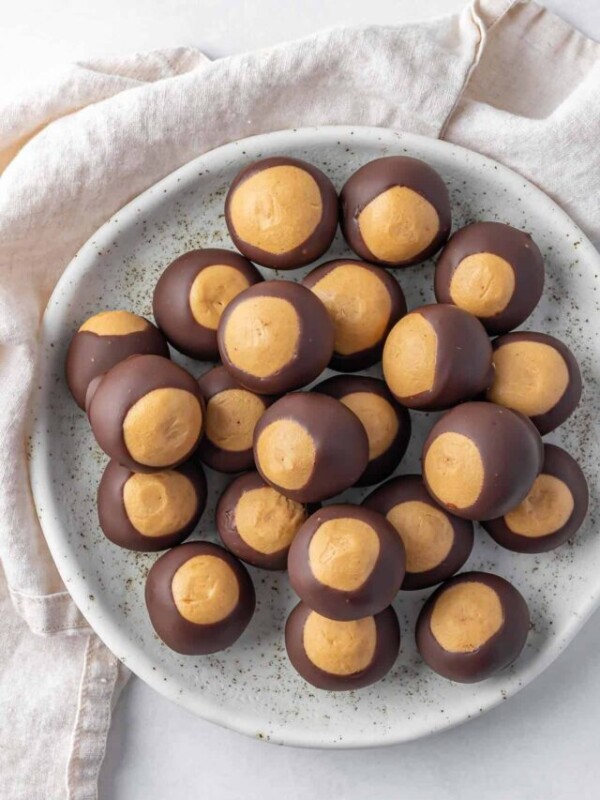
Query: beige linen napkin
[{"x": 507, "y": 79}]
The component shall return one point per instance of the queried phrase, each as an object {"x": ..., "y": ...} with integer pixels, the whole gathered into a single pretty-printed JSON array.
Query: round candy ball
[
  {"x": 275, "y": 336},
  {"x": 437, "y": 356},
  {"x": 480, "y": 460},
  {"x": 147, "y": 413},
  {"x": 310, "y": 447},
  {"x": 281, "y": 212},
  {"x": 257, "y": 523},
  {"x": 364, "y": 302},
  {"x": 346, "y": 562},
  {"x": 200, "y": 598},
  {"x": 102, "y": 341},
  {"x": 436, "y": 543},
  {"x": 474, "y": 625},
  {"x": 231, "y": 416},
  {"x": 336, "y": 655},
  {"x": 387, "y": 424},
  {"x": 536, "y": 374},
  {"x": 552, "y": 512},
  {"x": 494, "y": 272},
  {"x": 193, "y": 292},
  {"x": 149, "y": 512},
  {"x": 395, "y": 211}
]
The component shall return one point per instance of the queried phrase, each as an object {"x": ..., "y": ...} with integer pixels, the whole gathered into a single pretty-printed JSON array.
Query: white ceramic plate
[{"x": 251, "y": 687}]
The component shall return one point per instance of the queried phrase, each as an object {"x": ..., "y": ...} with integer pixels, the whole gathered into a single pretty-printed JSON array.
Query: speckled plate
[{"x": 251, "y": 687}]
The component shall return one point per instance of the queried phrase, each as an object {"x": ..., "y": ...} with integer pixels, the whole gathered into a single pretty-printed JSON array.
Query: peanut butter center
[
  {"x": 213, "y": 289},
  {"x": 359, "y": 305},
  {"x": 425, "y": 531},
  {"x": 286, "y": 454},
  {"x": 262, "y": 334},
  {"x": 410, "y": 356},
  {"x": 162, "y": 427},
  {"x": 483, "y": 284},
  {"x": 545, "y": 510},
  {"x": 339, "y": 648},
  {"x": 466, "y": 616},
  {"x": 398, "y": 224},
  {"x": 343, "y": 552},
  {"x": 268, "y": 521},
  {"x": 115, "y": 323},
  {"x": 530, "y": 377},
  {"x": 276, "y": 209},
  {"x": 159, "y": 504},
  {"x": 231, "y": 416},
  {"x": 378, "y": 419},
  {"x": 454, "y": 470},
  {"x": 205, "y": 590}
]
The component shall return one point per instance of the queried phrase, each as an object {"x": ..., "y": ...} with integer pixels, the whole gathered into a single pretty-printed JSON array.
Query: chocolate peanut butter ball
[
  {"x": 257, "y": 523},
  {"x": 102, "y": 341},
  {"x": 494, "y": 272},
  {"x": 281, "y": 212},
  {"x": 147, "y": 413},
  {"x": 480, "y": 460},
  {"x": 150, "y": 511},
  {"x": 200, "y": 598},
  {"x": 341, "y": 655},
  {"x": 387, "y": 424},
  {"x": 473, "y": 626},
  {"x": 437, "y": 356},
  {"x": 275, "y": 336},
  {"x": 364, "y": 302},
  {"x": 310, "y": 447},
  {"x": 192, "y": 294},
  {"x": 346, "y": 562},
  {"x": 231, "y": 416},
  {"x": 536, "y": 374},
  {"x": 436, "y": 543},
  {"x": 395, "y": 211},
  {"x": 552, "y": 512}
]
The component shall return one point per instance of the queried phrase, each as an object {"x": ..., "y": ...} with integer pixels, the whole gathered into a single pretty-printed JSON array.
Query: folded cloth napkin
[{"x": 505, "y": 78}]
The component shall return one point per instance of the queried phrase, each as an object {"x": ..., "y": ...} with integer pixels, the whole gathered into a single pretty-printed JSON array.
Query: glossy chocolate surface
[
  {"x": 496, "y": 653},
  {"x": 378, "y": 176},
  {"x": 177, "y": 632},
  {"x": 515, "y": 247},
  {"x": 407, "y": 488},
  {"x": 386, "y": 651},
  {"x": 171, "y": 301}
]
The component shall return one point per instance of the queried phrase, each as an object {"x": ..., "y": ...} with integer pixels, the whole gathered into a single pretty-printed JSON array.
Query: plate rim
[{"x": 106, "y": 627}]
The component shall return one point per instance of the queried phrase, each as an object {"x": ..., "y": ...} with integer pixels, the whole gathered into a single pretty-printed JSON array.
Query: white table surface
[{"x": 541, "y": 744}]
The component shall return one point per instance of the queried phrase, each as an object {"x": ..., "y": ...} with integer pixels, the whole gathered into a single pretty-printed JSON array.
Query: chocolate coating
[
  {"x": 379, "y": 588},
  {"x": 226, "y": 524},
  {"x": 386, "y": 651},
  {"x": 90, "y": 355},
  {"x": 178, "y": 633},
  {"x": 561, "y": 465},
  {"x": 341, "y": 445},
  {"x": 120, "y": 389},
  {"x": 378, "y": 176},
  {"x": 463, "y": 368},
  {"x": 379, "y": 468},
  {"x": 212, "y": 383},
  {"x": 171, "y": 300},
  {"x": 117, "y": 526},
  {"x": 315, "y": 345},
  {"x": 320, "y": 239},
  {"x": 510, "y": 448},
  {"x": 496, "y": 653},
  {"x": 570, "y": 399},
  {"x": 407, "y": 488},
  {"x": 514, "y": 246},
  {"x": 361, "y": 359}
]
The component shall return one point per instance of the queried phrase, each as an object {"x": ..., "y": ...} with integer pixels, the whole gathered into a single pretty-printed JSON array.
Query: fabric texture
[{"x": 507, "y": 79}]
